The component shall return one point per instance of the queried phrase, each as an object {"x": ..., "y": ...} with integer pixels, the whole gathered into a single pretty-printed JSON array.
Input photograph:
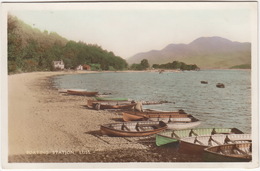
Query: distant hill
[{"x": 205, "y": 52}]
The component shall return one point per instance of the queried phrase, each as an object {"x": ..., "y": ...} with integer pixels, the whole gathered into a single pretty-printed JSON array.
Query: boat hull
[
  {"x": 132, "y": 131},
  {"x": 110, "y": 104},
  {"x": 184, "y": 125},
  {"x": 130, "y": 117},
  {"x": 82, "y": 93},
  {"x": 110, "y": 99},
  {"x": 152, "y": 115},
  {"x": 229, "y": 153},
  {"x": 196, "y": 145},
  {"x": 160, "y": 140},
  {"x": 170, "y": 136}
]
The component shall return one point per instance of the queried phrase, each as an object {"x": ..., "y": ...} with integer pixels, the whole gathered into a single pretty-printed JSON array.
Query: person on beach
[{"x": 139, "y": 106}]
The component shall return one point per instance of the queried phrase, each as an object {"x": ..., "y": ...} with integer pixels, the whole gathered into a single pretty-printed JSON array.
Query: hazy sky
[{"x": 130, "y": 28}]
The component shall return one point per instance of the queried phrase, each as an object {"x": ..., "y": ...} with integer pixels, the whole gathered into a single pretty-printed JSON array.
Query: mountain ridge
[{"x": 206, "y": 52}]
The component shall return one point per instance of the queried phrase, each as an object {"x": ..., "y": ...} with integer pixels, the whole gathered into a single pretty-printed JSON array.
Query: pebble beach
[{"x": 47, "y": 126}]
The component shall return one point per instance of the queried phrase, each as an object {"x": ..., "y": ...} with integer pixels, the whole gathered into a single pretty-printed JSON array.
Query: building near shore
[
  {"x": 58, "y": 65},
  {"x": 87, "y": 67},
  {"x": 79, "y": 68}
]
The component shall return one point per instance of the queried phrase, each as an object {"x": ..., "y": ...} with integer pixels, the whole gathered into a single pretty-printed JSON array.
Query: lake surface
[{"x": 215, "y": 107}]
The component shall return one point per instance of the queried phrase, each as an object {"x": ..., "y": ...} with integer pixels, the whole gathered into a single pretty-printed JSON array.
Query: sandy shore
[
  {"x": 47, "y": 126},
  {"x": 43, "y": 120}
]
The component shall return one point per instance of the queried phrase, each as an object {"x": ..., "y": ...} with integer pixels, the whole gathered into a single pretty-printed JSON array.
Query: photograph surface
[{"x": 147, "y": 84}]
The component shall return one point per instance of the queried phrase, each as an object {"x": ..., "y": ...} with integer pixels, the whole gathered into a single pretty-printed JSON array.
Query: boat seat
[
  {"x": 197, "y": 141},
  {"x": 123, "y": 127},
  {"x": 228, "y": 140},
  {"x": 192, "y": 132},
  {"x": 238, "y": 150},
  {"x": 215, "y": 132},
  {"x": 210, "y": 141},
  {"x": 175, "y": 135},
  {"x": 139, "y": 127}
]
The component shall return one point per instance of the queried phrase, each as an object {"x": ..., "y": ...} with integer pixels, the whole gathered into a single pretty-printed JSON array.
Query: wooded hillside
[{"x": 30, "y": 49}]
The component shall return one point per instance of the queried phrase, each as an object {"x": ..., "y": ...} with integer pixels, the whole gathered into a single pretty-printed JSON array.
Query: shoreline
[
  {"x": 50, "y": 106},
  {"x": 46, "y": 126}
]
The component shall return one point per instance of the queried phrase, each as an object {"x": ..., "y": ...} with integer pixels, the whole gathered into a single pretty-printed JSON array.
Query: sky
[{"x": 131, "y": 28}]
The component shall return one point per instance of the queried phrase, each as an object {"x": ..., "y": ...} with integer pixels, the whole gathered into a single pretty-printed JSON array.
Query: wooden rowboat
[
  {"x": 82, "y": 93},
  {"x": 133, "y": 129},
  {"x": 229, "y": 153},
  {"x": 180, "y": 122},
  {"x": 138, "y": 116},
  {"x": 196, "y": 145},
  {"x": 66, "y": 90},
  {"x": 170, "y": 136},
  {"x": 110, "y": 104},
  {"x": 174, "y": 120},
  {"x": 110, "y": 99}
]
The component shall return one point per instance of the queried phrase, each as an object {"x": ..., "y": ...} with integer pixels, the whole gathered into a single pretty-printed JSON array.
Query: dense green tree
[
  {"x": 14, "y": 46},
  {"x": 145, "y": 64}
]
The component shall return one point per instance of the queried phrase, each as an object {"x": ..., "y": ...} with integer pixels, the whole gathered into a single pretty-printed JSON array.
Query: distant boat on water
[
  {"x": 220, "y": 85},
  {"x": 204, "y": 82}
]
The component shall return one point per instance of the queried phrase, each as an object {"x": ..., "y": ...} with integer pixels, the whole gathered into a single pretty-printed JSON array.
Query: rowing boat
[
  {"x": 81, "y": 93},
  {"x": 110, "y": 99},
  {"x": 133, "y": 129},
  {"x": 196, "y": 145},
  {"x": 110, "y": 104},
  {"x": 66, "y": 90},
  {"x": 180, "y": 122},
  {"x": 229, "y": 153},
  {"x": 145, "y": 115},
  {"x": 174, "y": 120},
  {"x": 170, "y": 136}
]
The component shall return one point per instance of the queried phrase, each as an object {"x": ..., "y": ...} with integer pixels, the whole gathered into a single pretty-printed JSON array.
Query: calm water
[{"x": 215, "y": 107}]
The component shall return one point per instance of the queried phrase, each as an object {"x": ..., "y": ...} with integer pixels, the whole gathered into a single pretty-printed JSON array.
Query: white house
[
  {"x": 80, "y": 67},
  {"x": 58, "y": 64}
]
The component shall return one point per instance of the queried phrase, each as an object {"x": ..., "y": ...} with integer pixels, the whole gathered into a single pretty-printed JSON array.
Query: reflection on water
[{"x": 215, "y": 107}]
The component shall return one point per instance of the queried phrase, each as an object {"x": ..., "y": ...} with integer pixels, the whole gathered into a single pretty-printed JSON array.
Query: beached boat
[
  {"x": 174, "y": 120},
  {"x": 81, "y": 93},
  {"x": 170, "y": 136},
  {"x": 110, "y": 99},
  {"x": 229, "y": 153},
  {"x": 196, "y": 145},
  {"x": 146, "y": 114},
  {"x": 133, "y": 129},
  {"x": 179, "y": 123},
  {"x": 66, "y": 90},
  {"x": 110, "y": 104}
]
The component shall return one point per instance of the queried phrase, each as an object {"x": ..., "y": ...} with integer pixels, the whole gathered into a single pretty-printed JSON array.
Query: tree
[
  {"x": 144, "y": 64},
  {"x": 14, "y": 45}
]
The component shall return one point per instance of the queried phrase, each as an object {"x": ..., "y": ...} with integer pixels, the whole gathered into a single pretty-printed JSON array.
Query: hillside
[
  {"x": 205, "y": 52},
  {"x": 30, "y": 49}
]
